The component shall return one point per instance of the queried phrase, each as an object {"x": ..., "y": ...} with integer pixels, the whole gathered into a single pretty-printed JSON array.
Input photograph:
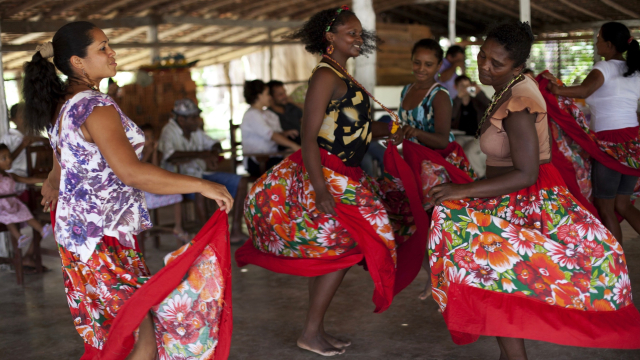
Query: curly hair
[
  {"x": 312, "y": 33},
  {"x": 253, "y": 89},
  {"x": 516, "y": 37}
]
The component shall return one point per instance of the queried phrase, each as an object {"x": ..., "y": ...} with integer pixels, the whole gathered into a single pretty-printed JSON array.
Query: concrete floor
[{"x": 269, "y": 309}]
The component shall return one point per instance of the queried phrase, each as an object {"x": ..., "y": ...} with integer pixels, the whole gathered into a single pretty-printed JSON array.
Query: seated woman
[
  {"x": 261, "y": 130},
  {"x": 516, "y": 256},
  {"x": 425, "y": 109}
]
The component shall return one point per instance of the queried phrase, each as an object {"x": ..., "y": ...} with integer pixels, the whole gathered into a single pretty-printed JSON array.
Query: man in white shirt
[{"x": 187, "y": 150}]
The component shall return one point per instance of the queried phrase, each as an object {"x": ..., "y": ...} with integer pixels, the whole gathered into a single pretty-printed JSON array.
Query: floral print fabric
[
  {"x": 186, "y": 322},
  {"x": 422, "y": 116},
  {"x": 93, "y": 202},
  {"x": 537, "y": 243},
  {"x": 282, "y": 218}
]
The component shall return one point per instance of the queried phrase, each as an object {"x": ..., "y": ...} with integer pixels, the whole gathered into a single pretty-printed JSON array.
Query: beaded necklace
[
  {"x": 396, "y": 121},
  {"x": 494, "y": 101}
]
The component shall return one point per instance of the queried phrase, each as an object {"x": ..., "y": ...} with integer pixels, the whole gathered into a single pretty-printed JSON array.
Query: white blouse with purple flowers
[{"x": 93, "y": 202}]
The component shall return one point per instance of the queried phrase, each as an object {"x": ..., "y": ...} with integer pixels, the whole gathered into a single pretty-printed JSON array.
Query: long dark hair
[
  {"x": 620, "y": 36},
  {"x": 43, "y": 89}
]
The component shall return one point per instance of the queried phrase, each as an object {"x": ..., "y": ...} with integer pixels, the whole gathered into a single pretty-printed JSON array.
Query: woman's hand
[
  {"x": 325, "y": 202},
  {"x": 409, "y": 131},
  {"x": 292, "y": 134},
  {"x": 49, "y": 196},
  {"x": 219, "y": 194},
  {"x": 396, "y": 139},
  {"x": 549, "y": 76},
  {"x": 553, "y": 88},
  {"x": 448, "y": 191}
]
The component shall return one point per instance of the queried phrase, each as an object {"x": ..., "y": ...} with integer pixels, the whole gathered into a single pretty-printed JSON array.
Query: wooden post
[
  {"x": 365, "y": 69},
  {"x": 525, "y": 11},
  {"x": 4, "y": 127},
  {"x": 270, "y": 39},
  {"x": 596, "y": 57},
  {"x": 152, "y": 37},
  {"x": 452, "y": 22}
]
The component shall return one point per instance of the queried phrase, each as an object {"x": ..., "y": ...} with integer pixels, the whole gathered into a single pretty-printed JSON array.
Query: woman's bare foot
[
  {"x": 426, "y": 293},
  {"x": 338, "y": 343},
  {"x": 238, "y": 238},
  {"x": 318, "y": 345}
]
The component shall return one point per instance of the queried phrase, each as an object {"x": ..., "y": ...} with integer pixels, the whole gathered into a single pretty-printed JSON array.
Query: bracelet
[{"x": 390, "y": 127}]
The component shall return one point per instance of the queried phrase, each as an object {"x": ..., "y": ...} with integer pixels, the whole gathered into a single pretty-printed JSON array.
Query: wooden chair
[
  {"x": 16, "y": 259},
  {"x": 39, "y": 164},
  {"x": 236, "y": 157}
]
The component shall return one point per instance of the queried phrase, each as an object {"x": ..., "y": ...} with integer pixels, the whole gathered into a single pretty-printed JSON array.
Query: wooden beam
[
  {"x": 142, "y": 6},
  {"x": 128, "y": 35},
  {"x": 550, "y": 13},
  {"x": 499, "y": 8},
  {"x": 588, "y": 26},
  {"x": 26, "y": 38},
  {"x": 31, "y": 47},
  {"x": 581, "y": 9},
  {"x": 621, "y": 8},
  {"x": 25, "y": 27},
  {"x": 22, "y": 7},
  {"x": 65, "y": 7},
  {"x": 176, "y": 5}
]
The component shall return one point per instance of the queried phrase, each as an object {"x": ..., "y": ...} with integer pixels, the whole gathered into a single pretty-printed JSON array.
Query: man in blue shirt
[{"x": 447, "y": 75}]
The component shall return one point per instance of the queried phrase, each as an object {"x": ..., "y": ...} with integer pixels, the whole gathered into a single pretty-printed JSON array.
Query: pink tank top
[{"x": 494, "y": 141}]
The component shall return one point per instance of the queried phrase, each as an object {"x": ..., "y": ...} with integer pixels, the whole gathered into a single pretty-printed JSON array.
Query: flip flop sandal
[{"x": 24, "y": 241}]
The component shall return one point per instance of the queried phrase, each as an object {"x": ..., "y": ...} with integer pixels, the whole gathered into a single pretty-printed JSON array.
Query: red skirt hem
[{"x": 472, "y": 312}]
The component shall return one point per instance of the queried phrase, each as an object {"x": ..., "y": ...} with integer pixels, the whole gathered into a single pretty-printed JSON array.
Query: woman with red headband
[{"x": 612, "y": 90}]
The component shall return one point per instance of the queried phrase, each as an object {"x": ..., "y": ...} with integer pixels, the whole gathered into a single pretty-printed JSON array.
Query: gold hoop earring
[{"x": 330, "y": 49}]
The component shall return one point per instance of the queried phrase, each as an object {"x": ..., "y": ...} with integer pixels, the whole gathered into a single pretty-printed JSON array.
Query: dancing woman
[
  {"x": 98, "y": 181},
  {"x": 317, "y": 213},
  {"x": 425, "y": 111},
  {"x": 516, "y": 256},
  {"x": 612, "y": 91}
]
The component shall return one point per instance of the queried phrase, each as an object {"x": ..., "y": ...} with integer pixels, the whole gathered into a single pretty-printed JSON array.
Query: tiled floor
[{"x": 269, "y": 308}]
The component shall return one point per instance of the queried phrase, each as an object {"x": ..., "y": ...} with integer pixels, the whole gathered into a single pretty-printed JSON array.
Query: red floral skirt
[
  {"x": 532, "y": 264},
  {"x": 190, "y": 298},
  {"x": 381, "y": 223}
]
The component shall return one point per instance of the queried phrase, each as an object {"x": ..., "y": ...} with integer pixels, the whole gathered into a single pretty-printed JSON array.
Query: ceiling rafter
[
  {"x": 621, "y": 8},
  {"x": 66, "y": 7},
  {"x": 22, "y": 7},
  {"x": 548, "y": 12},
  {"x": 581, "y": 9}
]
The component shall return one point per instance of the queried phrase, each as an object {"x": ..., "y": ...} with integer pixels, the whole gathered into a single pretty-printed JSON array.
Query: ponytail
[
  {"x": 620, "y": 37},
  {"x": 43, "y": 90},
  {"x": 633, "y": 58}
]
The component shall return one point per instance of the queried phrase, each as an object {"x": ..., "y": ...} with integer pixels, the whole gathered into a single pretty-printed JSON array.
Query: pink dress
[{"x": 12, "y": 210}]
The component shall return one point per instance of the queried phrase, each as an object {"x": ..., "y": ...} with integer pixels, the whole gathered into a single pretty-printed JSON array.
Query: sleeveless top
[
  {"x": 92, "y": 201},
  {"x": 346, "y": 128},
  {"x": 494, "y": 142},
  {"x": 421, "y": 117}
]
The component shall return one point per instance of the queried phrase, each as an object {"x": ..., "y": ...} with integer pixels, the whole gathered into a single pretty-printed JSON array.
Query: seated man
[
  {"x": 469, "y": 106},
  {"x": 186, "y": 149},
  {"x": 447, "y": 75},
  {"x": 290, "y": 115}
]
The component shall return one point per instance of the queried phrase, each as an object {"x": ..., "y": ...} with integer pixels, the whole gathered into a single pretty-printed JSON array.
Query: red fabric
[
  {"x": 618, "y": 135},
  {"x": 568, "y": 173},
  {"x": 568, "y": 124},
  {"x": 331, "y": 162},
  {"x": 501, "y": 314},
  {"x": 414, "y": 154},
  {"x": 121, "y": 341},
  {"x": 388, "y": 279}
]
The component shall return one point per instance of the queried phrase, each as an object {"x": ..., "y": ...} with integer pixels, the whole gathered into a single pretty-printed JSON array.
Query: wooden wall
[
  {"x": 394, "y": 54},
  {"x": 152, "y": 104}
]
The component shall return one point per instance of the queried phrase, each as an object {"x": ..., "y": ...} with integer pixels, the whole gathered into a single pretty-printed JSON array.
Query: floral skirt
[
  {"x": 532, "y": 264},
  {"x": 375, "y": 222},
  {"x": 112, "y": 292}
]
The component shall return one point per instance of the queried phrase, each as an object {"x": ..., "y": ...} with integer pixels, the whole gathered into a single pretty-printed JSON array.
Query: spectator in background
[
  {"x": 468, "y": 106},
  {"x": 261, "y": 129},
  {"x": 290, "y": 115},
  {"x": 17, "y": 144},
  {"x": 187, "y": 150},
  {"x": 453, "y": 60},
  {"x": 528, "y": 72},
  {"x": 112, "y": 89}
]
